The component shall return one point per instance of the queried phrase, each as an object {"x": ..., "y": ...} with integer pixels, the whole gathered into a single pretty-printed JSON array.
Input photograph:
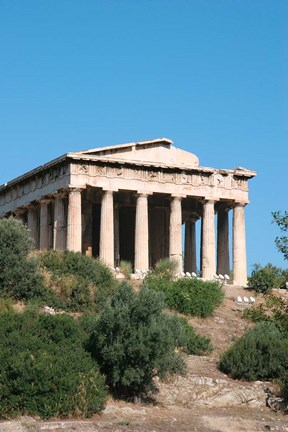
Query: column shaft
[
  {"x": 190, "y": 247},
  {"x": 74, "y": 221},
  {"x": 107, "y": 229},
  {"x": 141, "y": 234},
  {"x": 239, "y": 246},
  {"x": 32, "y": 222},
  {"x": 223, "y": 266},
  {"x": 175, "y": 233},
  {"x": 59, "y": 238},
  {"x": 208, "y": 241},
  {"x": 44, "y": 227}
]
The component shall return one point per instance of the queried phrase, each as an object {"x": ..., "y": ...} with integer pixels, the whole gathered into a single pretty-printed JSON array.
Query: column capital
[
  {"x": 240, "y": 204},
  {"x": 143, "y": 193},
  {"x": 178, "y": 197},
  {"x": 209, "y": 201}
]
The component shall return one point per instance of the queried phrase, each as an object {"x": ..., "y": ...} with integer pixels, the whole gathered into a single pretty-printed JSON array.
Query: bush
[
  {"x": 263, "y": 279},
  {"x": 133, "y": 341},
  {"x": 188, "y": 296},
  {"x": 260, "y": 354},
  {"x": 44, "y": 369},
  {"x": 19, "y": 273},
  {"x": 273, "y": 310},
  {"x": 195, "y": 297},
  {"x": 187, "y": 339},
  {"x": 126, "y": 269},
  {"x": 79, "y": 282}
]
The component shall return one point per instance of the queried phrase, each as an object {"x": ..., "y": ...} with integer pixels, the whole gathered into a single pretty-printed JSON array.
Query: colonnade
[{"x": 67, "y": 232}]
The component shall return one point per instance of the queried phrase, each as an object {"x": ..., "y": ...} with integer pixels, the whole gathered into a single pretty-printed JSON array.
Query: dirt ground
[{"x": 205, "y": 400}]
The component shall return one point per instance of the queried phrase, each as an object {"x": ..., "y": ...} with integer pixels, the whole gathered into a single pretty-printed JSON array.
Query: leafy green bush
[
  {"x": 187, "y": 296},
  {"x": 274, "y": 309},
  {"x": 19, "y": 274},
  {"x": 133, "y": 341},
  {"x": 126, "y": 269},
  {"x": 260, "y": 354},
  {"x": 187, "y": 339},
  {"x": 44, "y": 368},
  {"x": 78, "y": 282},
  {"x": 194, "y": 296},
  {"x": 263, "y": 279}
]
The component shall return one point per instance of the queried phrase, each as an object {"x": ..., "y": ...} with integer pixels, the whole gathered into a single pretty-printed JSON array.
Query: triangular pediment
[{"x": 158, "y": 151}]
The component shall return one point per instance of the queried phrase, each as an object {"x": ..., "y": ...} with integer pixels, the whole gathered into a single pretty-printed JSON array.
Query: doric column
[
  {"x": 239, "y": 245},
  {"x": 175, "y": 233},
  {"x": 190, "y": 247},
  {"x": 107, "y": 229},
  {"x": 141, "y": 233},
  {"x": 59, "y": 237},
  {"x": 116, "y": 235},
  {"x": 33, "y": 224},
  {"x": 74, "y": 221},
  {"x": 44, "y": 226},
  {"x": 208, "y": 241},
  {"x": 223, "y": 266}
]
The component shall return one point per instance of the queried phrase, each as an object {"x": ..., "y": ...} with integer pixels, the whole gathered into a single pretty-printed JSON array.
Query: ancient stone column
[
  {"x": 141, "y": 233},
  {"x": 44, "y": 226},
  {"x": 116, "y": 235},
  {"x": 175, "y": 233},
  {"x": 33, "y": 224},
  {"x": 74, "y": 221},
  {"x": 223, "y": 266},
  {"x": 239, "y": 246},
  {"x": 60, "y": 234},
  {"x": 190, "y": 247},
  {"x": 107, "y": 229},
  {"x": 208, "y": 241}
]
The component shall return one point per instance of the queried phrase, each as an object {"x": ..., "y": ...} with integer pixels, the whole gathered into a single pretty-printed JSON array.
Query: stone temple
[{"x": 130, "y": 201}]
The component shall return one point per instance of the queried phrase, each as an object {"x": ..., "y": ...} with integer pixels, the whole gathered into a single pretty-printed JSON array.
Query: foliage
[
  {"x": 19, "y": 275},
  {"x": 195, "y": 297},
  {"x": 166, "y": 268},
  {"x": 187, "y": 339},
  {"x": 282, "y": 242},
  {"x": 79, "y": 282},
  {"x": 126, "y": 269},
  {"x": 260, "y": 354},
  {"x": 274, "y": 309},
  {"x": 263, "y": 279},
  {"x": 133, "y": 341},
  {"x": 188, "y": 296},
  {"x": 44, "y": 368}
]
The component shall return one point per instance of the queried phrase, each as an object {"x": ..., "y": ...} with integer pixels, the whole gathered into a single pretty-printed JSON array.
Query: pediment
[{"x": 159, "y": 151}]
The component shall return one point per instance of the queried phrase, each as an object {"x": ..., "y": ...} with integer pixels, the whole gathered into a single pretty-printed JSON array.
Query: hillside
[{"x": 204, "y": 400}]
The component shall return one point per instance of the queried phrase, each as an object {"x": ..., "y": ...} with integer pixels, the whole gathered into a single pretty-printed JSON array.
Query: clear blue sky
[{"x": 210, "y": 74}]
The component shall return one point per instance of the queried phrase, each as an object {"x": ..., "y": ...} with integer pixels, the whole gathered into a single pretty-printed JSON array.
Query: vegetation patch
[
  {"x": 133, "y": 341},
  {"x": 44, "y": 369},
  {"x": 190, "y": 296},
  {"x": 78, "y": 282},
  {"x": 260, "y": 354},
  {"x": 20, "y": 277}
]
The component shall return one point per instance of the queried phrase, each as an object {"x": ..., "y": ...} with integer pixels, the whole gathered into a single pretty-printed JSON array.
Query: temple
[{"x": 130, "y": 201}]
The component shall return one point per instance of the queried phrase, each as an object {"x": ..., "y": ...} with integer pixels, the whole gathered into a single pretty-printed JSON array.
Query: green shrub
[
  {"x": 19, "y": 274},
  {"x": 187, "y": 296},
  {"x": 260, "y": 354},
  {"x": 44, "y": 368},
  {"x": 263, "y": 279},
  {"x": 166, "y": 268},
  {"x": 126, "y": 269},
  {"x": 187, "y": 339},
  {"x": 194, "y": 296},
  {"x": 133, "y": 341},
  {"x": 78, "y": 282},
  {"x": 274, "y": 309}
]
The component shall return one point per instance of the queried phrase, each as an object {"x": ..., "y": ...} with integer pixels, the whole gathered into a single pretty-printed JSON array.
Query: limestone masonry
[{"x": 129, "y": 201}]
